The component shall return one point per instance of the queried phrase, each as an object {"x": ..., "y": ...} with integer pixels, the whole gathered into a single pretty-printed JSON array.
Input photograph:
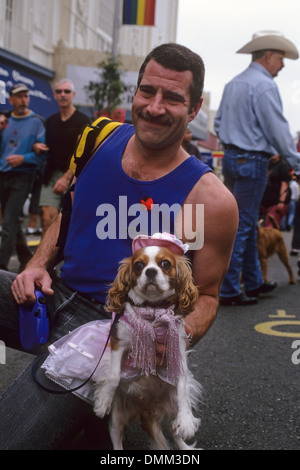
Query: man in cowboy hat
[{"x": 251, "y": 126}]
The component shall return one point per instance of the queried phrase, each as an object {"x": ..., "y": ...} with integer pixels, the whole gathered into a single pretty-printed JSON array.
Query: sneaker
[
  {"x": 33, "y": 231},
  {"x": 30, "y": 231},
  {"x": 241, "y": 299},
  {"x": 294, "y": 252}
]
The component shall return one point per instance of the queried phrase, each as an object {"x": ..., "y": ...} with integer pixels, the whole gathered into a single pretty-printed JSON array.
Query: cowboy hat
[{"x": 270, "y": 40}]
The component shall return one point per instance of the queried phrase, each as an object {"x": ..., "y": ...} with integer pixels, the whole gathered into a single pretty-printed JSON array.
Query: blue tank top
[{"x": 108, "y": 213}]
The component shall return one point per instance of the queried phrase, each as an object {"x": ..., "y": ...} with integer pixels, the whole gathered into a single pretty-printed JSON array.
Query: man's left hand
[
  {"x": 15, "y": 160},
  {"x": 61, "y": 185}
]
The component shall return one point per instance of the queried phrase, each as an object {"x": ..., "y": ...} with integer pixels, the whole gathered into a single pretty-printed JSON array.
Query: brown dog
[{"x": 269, "y": 241}]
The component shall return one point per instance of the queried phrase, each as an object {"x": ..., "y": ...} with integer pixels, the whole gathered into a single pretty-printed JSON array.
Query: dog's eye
[
  {"x": 138, "y": 266},
  {"x": 165, "y": 264}
]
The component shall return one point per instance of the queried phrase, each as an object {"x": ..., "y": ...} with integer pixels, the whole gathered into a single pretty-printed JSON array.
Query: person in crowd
[
  {"x": 251, "y": 126},
  {"x": 3, "y": 123},
  {"x": 18, "y": 164},
  {"x": 277, "y": 195},
  {"x": 145, "y": 158},
  {"x": 36, "y": 189},
  {"x": 295, "y": 251},
  {"x": 188, "y": 146},
  {"x": 34, "y": 203},
  {"x": 62, "y": 131},
  {"x": 35, "y": 192},
  {"x": 288, "y": 221}
]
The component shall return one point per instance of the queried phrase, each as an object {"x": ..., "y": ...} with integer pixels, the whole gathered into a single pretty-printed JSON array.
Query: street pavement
[{"x": 244, "y": 363}]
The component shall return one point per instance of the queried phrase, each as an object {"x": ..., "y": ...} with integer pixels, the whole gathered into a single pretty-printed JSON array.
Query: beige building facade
[
  {"x": 57, "y": 34},
  {"x": 42, "y": 41}
]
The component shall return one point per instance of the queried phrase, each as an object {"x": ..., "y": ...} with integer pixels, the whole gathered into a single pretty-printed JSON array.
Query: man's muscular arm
[{"x": 211, "y": 262}]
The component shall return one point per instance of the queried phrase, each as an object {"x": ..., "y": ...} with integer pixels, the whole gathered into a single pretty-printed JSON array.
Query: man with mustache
[
  {"x": 142, "y": 162},
  {"x": 18, "y": 164},
  {"x": 62, "y": 130}
]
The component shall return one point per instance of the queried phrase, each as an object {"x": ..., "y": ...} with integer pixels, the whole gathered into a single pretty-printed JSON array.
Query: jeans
[
  {"x": 14, "y": 189},
  {"x": 246, "y": 177},
  {"x": 31, "y": 418},
  {"x": 288, "y": 220}
]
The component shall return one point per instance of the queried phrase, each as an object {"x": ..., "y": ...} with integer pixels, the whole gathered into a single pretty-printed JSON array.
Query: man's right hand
[{"x": 27, "y": 281}]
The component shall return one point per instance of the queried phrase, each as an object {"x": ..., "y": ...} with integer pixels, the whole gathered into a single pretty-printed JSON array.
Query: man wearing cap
[
  {"x": 18, "y": 163},
  {"x": 251, "y": 126}
]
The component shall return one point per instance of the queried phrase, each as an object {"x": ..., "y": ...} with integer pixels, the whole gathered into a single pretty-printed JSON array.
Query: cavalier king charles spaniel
[{"x": 153, "y": 292}]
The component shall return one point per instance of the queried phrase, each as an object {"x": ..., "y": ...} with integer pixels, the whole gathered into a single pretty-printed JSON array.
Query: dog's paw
[
  {"x": 185, "y": 426},
  {"x": 184, "y": 446},
  {"x": 101, "y": 409}
]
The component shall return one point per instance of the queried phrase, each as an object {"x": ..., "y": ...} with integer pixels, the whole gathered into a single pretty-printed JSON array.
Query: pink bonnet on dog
[{"x": 164, "y": 239}]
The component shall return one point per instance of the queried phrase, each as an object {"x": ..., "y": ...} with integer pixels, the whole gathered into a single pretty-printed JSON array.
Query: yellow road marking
[{"x": 267, "y": 328}]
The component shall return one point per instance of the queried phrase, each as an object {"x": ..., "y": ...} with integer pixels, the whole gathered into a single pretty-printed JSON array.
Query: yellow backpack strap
[{"x": 90, "y": 139}]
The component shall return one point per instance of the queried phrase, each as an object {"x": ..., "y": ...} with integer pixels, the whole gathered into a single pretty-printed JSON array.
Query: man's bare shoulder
[
  {"x": 210, "y": 191},
  {"x": 214, "y": 215}
]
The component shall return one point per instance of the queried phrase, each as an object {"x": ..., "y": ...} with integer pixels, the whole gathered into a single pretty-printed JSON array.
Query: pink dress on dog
[{"x": 74, "y": 357}]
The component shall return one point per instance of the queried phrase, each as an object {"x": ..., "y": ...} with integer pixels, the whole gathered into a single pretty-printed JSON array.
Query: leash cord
[{"x": 34, "y": 367}]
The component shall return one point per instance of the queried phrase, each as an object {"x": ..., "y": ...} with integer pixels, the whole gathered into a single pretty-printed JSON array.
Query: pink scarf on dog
[{"x": 150, "y": 325}]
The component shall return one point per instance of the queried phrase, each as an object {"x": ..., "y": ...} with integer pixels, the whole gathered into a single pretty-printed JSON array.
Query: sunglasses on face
[{"x": 67, "y": 92}]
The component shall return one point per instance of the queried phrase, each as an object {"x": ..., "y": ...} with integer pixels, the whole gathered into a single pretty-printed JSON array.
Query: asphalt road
[{"x": 252, "y": 387}]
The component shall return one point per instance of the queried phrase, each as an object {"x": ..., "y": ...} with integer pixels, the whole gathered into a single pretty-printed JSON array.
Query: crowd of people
[
  {"x": 50, "y": 148},
  {"x": 151, "y": 157}
]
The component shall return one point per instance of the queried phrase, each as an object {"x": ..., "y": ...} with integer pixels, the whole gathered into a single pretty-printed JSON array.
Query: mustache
[{"x": 163, "y": 120}]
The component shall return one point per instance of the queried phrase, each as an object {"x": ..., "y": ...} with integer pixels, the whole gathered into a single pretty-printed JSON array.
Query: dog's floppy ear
[
  {"x": 187, "y": 291},
  {"x": 117, "y": 295}
]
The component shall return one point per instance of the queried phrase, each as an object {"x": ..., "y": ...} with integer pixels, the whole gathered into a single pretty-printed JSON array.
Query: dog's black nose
[{"x": 151, "y": 273}]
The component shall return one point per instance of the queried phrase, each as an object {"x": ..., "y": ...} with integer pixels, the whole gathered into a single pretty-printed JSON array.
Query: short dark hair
[{"x": 177, "y": 57}]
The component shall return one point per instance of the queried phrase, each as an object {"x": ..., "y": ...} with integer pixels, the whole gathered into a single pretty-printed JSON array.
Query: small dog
[
  {"x": 154, "y": 291},
  {"x": 269, "y": 241}
]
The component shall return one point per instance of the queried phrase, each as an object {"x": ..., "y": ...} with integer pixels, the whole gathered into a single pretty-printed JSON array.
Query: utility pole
[{"x": 116, "y": 27}]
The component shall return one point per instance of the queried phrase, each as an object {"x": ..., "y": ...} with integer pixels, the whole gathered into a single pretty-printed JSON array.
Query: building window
[
  {"x": 9, "y": 10},
  {"x": 15, "y": 38},
  {"x": 8, "y": 25}
]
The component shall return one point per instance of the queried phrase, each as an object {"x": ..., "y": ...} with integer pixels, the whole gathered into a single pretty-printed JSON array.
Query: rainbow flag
[{"x": 139, "y": 12}]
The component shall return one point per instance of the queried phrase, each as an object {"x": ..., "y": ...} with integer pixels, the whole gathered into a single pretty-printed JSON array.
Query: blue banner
[{"x": 42, "y": 101}]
